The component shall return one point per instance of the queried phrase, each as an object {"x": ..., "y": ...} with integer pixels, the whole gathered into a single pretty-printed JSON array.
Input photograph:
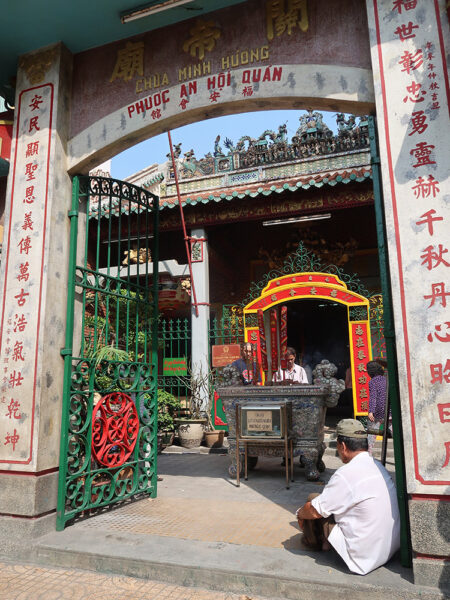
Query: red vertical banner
[
  {"x": 274, "y": 339},
  {"x": 283, "y": 336},
  {"x": 262, "y": 341},
  {"x": 24, "y": 275},
  {"x": 253, "y": 338},
  {"x": 254, "y": 364},
  {"x": 361, "y": 354}
]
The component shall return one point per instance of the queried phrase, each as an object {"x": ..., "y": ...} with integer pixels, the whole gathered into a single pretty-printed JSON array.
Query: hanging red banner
[
  {"x": 262, "y": 341},
  {"x": 255, "y": 378},
  {"x": 274, "y": 339},
  {"x": 283, "y": 336}
]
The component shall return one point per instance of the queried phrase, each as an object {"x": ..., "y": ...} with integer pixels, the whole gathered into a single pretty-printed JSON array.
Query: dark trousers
[{"x": 316, "y": 531}]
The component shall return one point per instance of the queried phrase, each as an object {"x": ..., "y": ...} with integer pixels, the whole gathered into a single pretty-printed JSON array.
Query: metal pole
[
  {"x": 154, "y": 334},
  {"x": 66, "y": 353},
  {"x": 391, "y": 353},
  {"x": 183, "y": 224},
  {"x": 387, "y": 409},
  {"x": 238, "y": 462}
]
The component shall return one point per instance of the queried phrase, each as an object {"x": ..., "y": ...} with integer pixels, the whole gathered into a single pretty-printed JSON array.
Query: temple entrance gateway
[
  {"x": 329, "y": 288},
  {"x": 109, "y": 419},
  {"x": 77, "y": 107}
]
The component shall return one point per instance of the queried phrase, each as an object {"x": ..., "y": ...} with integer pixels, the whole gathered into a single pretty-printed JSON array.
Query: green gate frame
[{"x": 117, "y": 349}]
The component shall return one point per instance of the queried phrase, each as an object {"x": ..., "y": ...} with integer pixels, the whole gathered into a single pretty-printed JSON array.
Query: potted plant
[
  {"x": 168, "y": 405},
  {"x": 213, "y": 437},
  {"x": 191, "y": 427}
]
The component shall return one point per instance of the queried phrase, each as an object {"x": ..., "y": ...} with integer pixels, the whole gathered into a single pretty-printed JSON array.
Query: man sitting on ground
[{"x": 357, "y": 512}]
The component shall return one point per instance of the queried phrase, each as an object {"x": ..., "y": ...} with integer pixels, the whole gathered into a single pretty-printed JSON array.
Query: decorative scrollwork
[
  {"x": 115, "y": 427},
  {"x": 304, "y": 261},
  {"x": 251, "y": 320},
  {"x": 106, "y": 193},
  {"x": 75, "y": 492},
  {"x": 358, "y": 313},
  {"x": 80, "y": 375},
  {"x": 377, "y": 326}
]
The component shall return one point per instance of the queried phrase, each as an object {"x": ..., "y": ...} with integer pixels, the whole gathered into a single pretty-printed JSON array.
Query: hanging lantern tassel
[
  {"x": 262, "y": 342},
  {"x": 283, "y": 337},
  {"x": 274, "y": 339}
]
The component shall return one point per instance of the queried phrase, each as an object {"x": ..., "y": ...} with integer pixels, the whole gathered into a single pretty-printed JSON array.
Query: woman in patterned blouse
[{"x": 377, "y": 397}]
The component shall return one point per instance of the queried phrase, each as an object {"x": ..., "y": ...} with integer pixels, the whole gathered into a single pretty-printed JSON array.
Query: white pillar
[
  {"x": 33, "y": 298},
  {"x": 413, "y": 124},
  {"x": 200, "y": 323}
]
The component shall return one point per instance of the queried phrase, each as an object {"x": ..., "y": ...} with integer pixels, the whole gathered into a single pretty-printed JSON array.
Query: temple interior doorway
[{"x": 318, "y": 329}]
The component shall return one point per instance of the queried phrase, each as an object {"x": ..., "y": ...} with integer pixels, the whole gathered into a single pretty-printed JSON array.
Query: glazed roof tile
[{"x": 266, "y": 188}]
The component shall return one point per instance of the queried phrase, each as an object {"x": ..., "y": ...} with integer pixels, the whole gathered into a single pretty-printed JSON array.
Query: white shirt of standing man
[{"x": 293, "y": 372}]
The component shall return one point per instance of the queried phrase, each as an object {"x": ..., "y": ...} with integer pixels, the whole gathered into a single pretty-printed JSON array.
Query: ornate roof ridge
[{"x": 312, "y": 140}]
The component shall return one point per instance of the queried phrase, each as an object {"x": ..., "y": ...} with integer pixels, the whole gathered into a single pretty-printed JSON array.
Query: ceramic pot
[
  {"x": 190, "y": 432},
  {"x": 214, "y": 439}
]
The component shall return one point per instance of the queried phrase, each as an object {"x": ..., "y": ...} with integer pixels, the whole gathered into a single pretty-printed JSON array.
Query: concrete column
[
  {"x": 200, "y": 323},
  {"x": 33, "y": 288},
  {"x": 414, "y": 143}
]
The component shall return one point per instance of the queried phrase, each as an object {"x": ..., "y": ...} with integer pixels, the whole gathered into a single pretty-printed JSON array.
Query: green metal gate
[
  {"x": 109, "y": 421},
  {"x": 175, "y": 338}
]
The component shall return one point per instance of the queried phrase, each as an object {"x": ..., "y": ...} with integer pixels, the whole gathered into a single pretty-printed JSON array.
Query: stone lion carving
[
  {"x": 186, "y": 285},
  {"x": 133, "y": 257},
  {"x": 323, "y": 375},
  {"x": 228, "y": 376}
]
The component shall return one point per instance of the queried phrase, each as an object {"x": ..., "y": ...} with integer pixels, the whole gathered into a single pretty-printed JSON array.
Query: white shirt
[
  {"x": 298, "y": 374},
  {"x": 362, "y": 498}
]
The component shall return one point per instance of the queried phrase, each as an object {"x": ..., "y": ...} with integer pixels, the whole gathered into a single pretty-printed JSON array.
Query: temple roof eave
[
  {"x": 256, "y": 190},
  {"x": 268, "y": 188}
]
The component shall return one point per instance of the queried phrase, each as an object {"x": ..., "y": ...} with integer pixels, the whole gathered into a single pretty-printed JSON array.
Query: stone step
[
  {"x": 251, "y": 570},
  {"x": 329, "y": 442}
]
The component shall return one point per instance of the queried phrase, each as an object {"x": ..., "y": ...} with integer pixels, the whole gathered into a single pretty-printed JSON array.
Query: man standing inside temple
[
  {"x": 357, "y": 512},
  {"x": 293, "y": 373},
  {"x": 247, "y": 366}
]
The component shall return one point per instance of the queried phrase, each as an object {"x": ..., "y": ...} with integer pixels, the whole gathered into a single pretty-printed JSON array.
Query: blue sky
[{"x": 200, "y": 137}]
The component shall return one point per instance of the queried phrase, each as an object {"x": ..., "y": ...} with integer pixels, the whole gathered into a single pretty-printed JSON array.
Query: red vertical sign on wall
[
  {"x": 361, "y": 354},
  {"x": 25, "y": 239}
]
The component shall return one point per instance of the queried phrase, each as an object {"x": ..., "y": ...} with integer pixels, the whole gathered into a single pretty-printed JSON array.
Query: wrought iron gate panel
[
  {"x": 229, "y": 329},
  {"x": 174, "y": 340},
  {"x": 109, "y": 422}
]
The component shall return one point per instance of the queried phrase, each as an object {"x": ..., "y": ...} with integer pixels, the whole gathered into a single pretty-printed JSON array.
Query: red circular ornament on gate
[{"x": 115, "y": 428}]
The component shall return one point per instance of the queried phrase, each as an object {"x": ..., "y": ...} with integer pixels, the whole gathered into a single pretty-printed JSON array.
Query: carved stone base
[
  {"x": 311, "y": 460},
  {"x": 307, "y": 430},
  {"x": 251, "y": 460}
]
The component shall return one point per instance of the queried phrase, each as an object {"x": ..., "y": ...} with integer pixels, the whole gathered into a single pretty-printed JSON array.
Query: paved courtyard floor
[
  {"x": 28, "y": 582},
  {"x": 202, "y": 537}
]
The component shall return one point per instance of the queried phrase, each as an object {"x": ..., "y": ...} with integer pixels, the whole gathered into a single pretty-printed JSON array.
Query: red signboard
[
  {"x": 225, "y": 354},
  {"x": 361, "y": 354},
  {"x": 6, "y": 129}
]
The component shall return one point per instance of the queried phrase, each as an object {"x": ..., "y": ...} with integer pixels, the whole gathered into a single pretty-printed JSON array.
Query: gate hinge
[
  {"x": 72, "y": 213},
  {"x": 65, "y": 351},
  {"x": 375, "y": 160}
]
